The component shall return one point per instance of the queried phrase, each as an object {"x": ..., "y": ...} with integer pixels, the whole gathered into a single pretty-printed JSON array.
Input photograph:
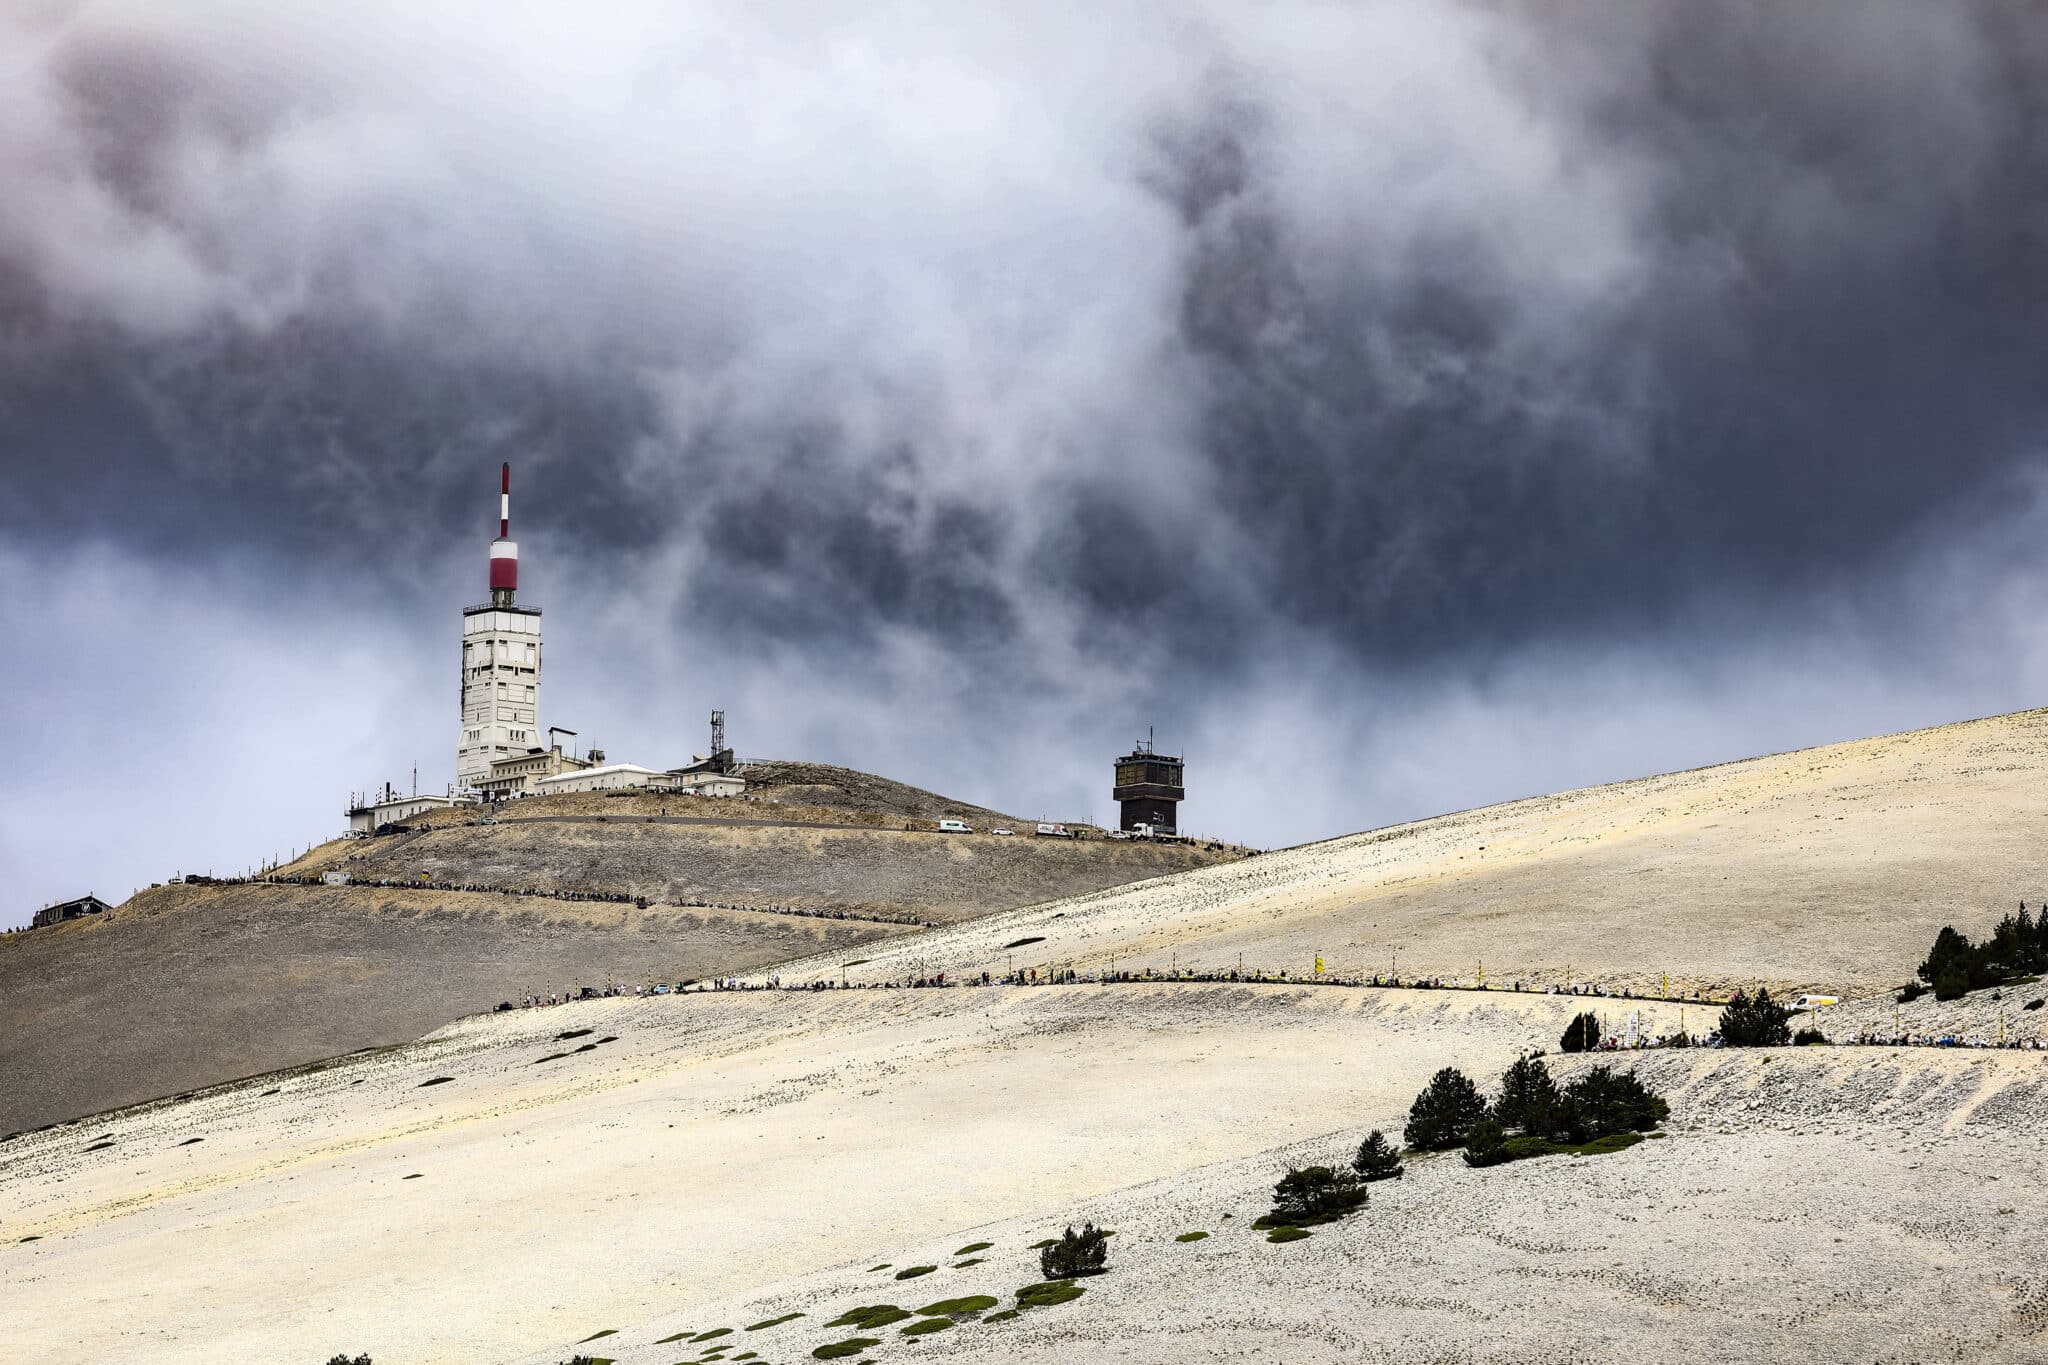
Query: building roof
[{"x": 599, "y": 772}]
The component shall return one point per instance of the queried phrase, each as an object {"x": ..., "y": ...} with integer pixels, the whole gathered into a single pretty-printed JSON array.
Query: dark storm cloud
[
  {"x": 1569, "y": 321},
  {"x": 949, "y": 363}
]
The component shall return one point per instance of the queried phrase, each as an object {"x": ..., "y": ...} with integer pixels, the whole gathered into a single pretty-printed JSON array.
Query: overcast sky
[{"x": 1403, "y": 405}]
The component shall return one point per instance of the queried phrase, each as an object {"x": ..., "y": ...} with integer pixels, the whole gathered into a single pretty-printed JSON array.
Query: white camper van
[{"x": 954, "y": 827}]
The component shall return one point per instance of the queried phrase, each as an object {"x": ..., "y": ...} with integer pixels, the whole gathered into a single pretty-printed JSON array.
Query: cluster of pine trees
[
  {"x": 1532, "y": 1115},
  {"x": 2017, "y": 947}
]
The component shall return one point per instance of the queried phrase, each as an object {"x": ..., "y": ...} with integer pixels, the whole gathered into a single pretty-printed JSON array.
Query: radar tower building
[
  {"x": 500, "y": 662},
  {"x": 1150, "y": 786}
]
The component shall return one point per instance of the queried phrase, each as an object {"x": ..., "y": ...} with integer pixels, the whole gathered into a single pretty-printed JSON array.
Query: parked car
[{"x": 1002, "y": 829}]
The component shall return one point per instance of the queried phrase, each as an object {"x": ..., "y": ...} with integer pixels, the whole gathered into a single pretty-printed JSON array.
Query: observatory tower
[
  {"x": 500, "y": 662},
  {"x": 1150, "y": 787}
]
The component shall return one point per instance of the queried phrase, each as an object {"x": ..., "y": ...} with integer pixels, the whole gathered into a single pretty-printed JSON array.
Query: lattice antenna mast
[{"x": 717, "y": 733}]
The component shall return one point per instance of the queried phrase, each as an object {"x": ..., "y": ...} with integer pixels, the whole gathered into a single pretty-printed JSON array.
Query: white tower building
[{"x": 500, "y": 662}]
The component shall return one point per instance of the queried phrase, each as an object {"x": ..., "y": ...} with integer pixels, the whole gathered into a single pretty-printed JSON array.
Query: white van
[
  {"x": 1055, "y": 832},
  {"x": 954, "y": 827},
  {"x": 1807, "y": 1002}
]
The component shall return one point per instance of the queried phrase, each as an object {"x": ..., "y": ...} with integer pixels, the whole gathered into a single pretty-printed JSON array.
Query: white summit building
[{"x": 500, "y": 663}]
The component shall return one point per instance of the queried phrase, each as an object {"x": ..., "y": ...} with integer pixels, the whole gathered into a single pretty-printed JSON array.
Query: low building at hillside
[
  {"x": 63, "y": 910},
  {"x": 700, "y": 780},
  {"x": 367, "y": 816},
  {"x": 610, "y": 777}
]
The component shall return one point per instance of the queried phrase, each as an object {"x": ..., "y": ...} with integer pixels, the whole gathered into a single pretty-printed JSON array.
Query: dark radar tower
[{"x": 1150, "y": 787}]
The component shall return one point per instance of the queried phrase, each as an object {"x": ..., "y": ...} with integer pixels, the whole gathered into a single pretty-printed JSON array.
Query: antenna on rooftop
[{"x": 717, "y": 732}]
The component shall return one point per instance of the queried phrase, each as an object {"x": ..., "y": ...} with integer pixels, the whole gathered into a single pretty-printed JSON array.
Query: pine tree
[
  {"x": 1610, "y": 1102},
  {"x": 1444, "y": 1112},
  {"x": 1377, "y": 1159},
  {"x": 1949, "y": 948},
  {"x": 1527, "y": 1095},
  {"x": 1315, "y": 1194},
  {"x": 1952, "y": 982},
  {"x": 1582, "y": 1034},
  {"x": 1078, "y": 1253},
  {"x": 1754, "y": 1021}
]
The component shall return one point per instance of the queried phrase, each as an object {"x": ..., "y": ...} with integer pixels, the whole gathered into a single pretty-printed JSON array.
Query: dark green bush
[
  {"x": 344, "y": 1358},
  {"x": 852, "y": 1346},
  {"x": 1952, "y": 982},
  {"x": 1046, "y": 1295},
  {"x": 1287, "y": 1234},
  {"x": 1377, "y": 1158},
  {"x": 912, "y": 1272},
  {"x": 867, "y": 1319},
  {"x": 1077, "y": 1253},
  {"x": 1443, "y": 1112},
  {"x": 1809, "y": 1037},
  {"x": 1486, "y": 1143},
  {"x": 1910, "y": 992},
  {"x": 1754, "y": 1021},
  {"x": 1315, "y": 1194},
  {"x": 1582, "y": 1034}
]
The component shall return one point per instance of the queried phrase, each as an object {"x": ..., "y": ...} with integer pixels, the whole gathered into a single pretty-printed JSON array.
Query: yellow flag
[{"x": 1319, "y": 964}]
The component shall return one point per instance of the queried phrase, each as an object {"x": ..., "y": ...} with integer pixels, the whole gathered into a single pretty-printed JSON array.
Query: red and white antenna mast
[{"x": 504, "y": 550}]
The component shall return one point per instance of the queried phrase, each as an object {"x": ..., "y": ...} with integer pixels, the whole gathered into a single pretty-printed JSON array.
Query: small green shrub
[
  {"x": 676, "y": 1337},
  {"x": 873, "y": 1268},
  {"x": 1077, "y": 1253},
  {"x": 929, "y": 1325},
  {"x": 868, "y": 1318},
  {"x": 1050, "y": 1293},
  {"x": 774, "y": 1322},
  {"x": 438, "y": 1080},
  {"x": 1040, "y": 1246},
  {"x": 1602, "y": 1146},
  {"x": 966, "y": 1303},
  {"x": 713, "y": 1334},
  {"x": 912, "y": 1272},
  {"x": 1191, "y": 1237},
  {"x": 1003, "y": 1316},
  {"x": 839, "y": 1350},
  {"x": 973, "y": 1247},
  {"x": 1910, "y": 992},
  {"x": 607, "y": 1332},
  {"x": 971, "y": 1260},
  {"x": 346, "y": 1359},
  {"x": 1809, "y": 1037},
  {"x": 1287, "y": 1234}
]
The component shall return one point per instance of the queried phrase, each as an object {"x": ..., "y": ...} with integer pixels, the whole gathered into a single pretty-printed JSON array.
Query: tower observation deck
[{"x": 1149, "y": 787}]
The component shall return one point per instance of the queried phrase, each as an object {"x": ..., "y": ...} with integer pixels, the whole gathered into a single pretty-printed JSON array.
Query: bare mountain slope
[
  {"x": 186, "y": 986},
  {"x": 1830, "y": 868},
  {"x": 918, "y": 875},
  {"x": 183, "y": 987}
]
